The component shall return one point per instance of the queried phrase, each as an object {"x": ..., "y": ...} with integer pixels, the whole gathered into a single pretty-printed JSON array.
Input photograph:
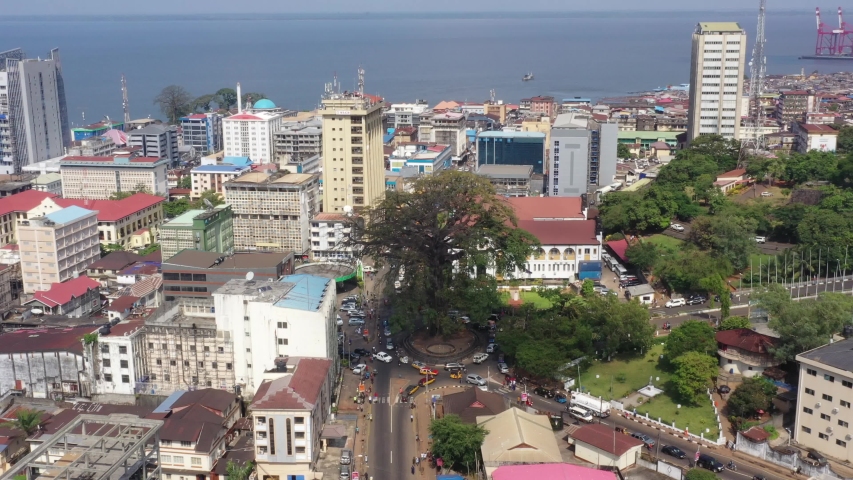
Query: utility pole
[{"x": 124, "y": 102}]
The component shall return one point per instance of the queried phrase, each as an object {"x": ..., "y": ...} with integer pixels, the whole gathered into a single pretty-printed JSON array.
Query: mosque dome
[{"x": 264, "y": 104}]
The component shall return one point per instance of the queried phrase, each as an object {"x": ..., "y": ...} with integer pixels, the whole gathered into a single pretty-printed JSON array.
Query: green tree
[
  {"x": 25, "y": 419},
  {"x": 643, "y": 255},
  {"x": 845, "y": 140},
  {"x": 175, "y": 102},
  {"x": 185, "y": 182},
  {"x": 150, "y": 249},
  {"x": 587, "y": 288},
  {"x": 690, "y": 336},
  {"x": 731, "y": 237},
  {"x": 173, "y": 208},
  {"x": 211, "y": 196},
  {"x": 236, "y": 471},
  {"x": 449, "y": 226},
  {"x": 110, "y": 248},
  {"x": 250, "y": 98},
  {"x": 755, "y": 393},
  {"x": 844, "y": 172},
  {"x": 140, "y": 188},
  {"x": 814, "y": 165},
  {"x": 456, "y": 442},
  {"x": 202, "y": 103},
  {"x": 806, "y": 325},
  {"x": 622, "y": 151},
  {"x": 700, "y": 474},
  {"x": 618, "y": 327},
  {"x": 734, "y": 323},
  {"x": 693, "y": 375},
  {"x": 688, "y": 269},
  {"x": 226, "y": 98}
]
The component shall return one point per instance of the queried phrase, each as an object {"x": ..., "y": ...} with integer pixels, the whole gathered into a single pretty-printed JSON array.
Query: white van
[
  {"x": 480, "y": 357},
  {"x": 581, "y": 414},
  {"x": 619, "y": 269}
]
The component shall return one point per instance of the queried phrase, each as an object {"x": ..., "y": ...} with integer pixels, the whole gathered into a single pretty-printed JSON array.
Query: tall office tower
[
  {"x": 583, "y": 155},
  {"x": 353, "y": 161},
  {"x": 33, "y": 115},
  {"x": 716, "y": 80}
]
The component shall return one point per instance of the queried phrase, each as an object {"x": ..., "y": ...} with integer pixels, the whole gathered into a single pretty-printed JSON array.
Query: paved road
[{"x": 768, "y": 248}]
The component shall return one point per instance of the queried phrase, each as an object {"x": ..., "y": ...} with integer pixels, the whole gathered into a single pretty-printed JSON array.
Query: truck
[{"x": 596, "y": 406}]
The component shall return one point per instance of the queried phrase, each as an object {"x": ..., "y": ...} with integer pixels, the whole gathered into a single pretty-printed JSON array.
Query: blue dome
[{"x": 264, "y": 104}]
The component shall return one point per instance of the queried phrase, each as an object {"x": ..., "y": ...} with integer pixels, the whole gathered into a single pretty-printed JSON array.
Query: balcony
[
  {"x": 357, "y": 161},
  {"x": 750, "y": 359},
  {"x": 356, "y": 140},
  {"x": 356, "y": 131},
  {"x": 357, "y": 151},
  {"x": 358, "y": 181},
  {"x": 358, "y": 171},
  {"x": 260, "y": 427}
]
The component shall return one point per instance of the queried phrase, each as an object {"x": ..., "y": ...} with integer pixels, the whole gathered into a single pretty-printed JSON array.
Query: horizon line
[{"x": 385, "y": 12}]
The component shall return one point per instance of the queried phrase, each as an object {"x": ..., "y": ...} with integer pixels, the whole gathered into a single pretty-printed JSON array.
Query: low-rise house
[
  {"x": 822, "y": 138},
  {"x": 517, "y": 437},
  {"x": 472, "y": 403},
  {"x": 120, "y": 308},
  {"x": 602, "y": 445},
  {"x": 746, "y": 352},
  {"x": 644, "y": 293},
  {"x": 551, "y": 471},
  {"x": 78, "y": 297},
  {"x": 729, "y": 180},
  {"x": 288, "y": 414},
  {"x": 118, "y": 360},
  {"x": 509, "y": 180},
  {"x": 106, "y": 269}
]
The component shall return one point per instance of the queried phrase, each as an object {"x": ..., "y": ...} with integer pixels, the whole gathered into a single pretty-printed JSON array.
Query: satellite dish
[
  {"x": 207, "y": 202},
  {"x": 250, "y": 276}
]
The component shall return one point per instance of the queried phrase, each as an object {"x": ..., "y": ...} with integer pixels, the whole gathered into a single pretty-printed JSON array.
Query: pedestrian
[
  {"x": 412, "y": 418},
  {"x": 460, "y": 378},
  {"x": 417, "y": 438},
  {"x": 414, "y": 460},
  {"x": 413, "y": 469}
]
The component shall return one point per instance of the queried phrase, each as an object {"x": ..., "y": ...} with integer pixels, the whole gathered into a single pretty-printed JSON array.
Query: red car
[{"x": 429, "y": 371}]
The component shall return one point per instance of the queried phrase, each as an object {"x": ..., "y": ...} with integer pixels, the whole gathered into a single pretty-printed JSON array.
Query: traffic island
[{"x": 443, "y": 349}]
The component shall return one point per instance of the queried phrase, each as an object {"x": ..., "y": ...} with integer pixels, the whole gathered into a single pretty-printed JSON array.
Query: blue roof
[
  {"x": 307, "y": 293},
  {"x": 577, "y": 99},
  {"x": 242, "y": 161},
  {"x": 387, "y": 138},
  {"x": 264, "y": 104},
  {"x": 169, "y": 401},
  {"x": 219, "y": 168},
  {"x": 68, "y": 214},
  {"x": 510, "y": 134}
]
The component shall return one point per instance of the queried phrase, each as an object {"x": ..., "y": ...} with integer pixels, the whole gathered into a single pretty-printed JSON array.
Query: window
[
  {"x": 823, "y": 436},
  {"x": 288, "y": 433},
  {"x": 810, "y": 391},
  {"x": 847, "y": 384},
  {"x": 200, "y": 364},
  {"x": 165, "y": 458},
  {"x": 123, "y": 363},
  {"x": 840, "y": 443},
  {"x": 806, "y": 429},
  {"x": 272, "y": 436},
  {"x": 178, "y": 460},
  {"x": 186, "y": 363},
  {"x": 167, "y": 377},
  {"x": 843, "y": 423},
  {"x": 828, "y": 377},
  {"x": 108, "y": 377},
  {"x": 811, "y": 372},
  {"x": 827, "y": 397},
  {"x": 213, "y": 365},
  {"x": 173, "y": 363},
  {"x": 299, "y": 420},
  {"x": 220, "y": 349},
  {"x": 185, "y": 443},
  {"x": 195, "y": 461},
  {"x": 845, "y": 403},
  {"x": 824, "y": 416},
  {"x": 282, "y": 341},
  {"x": 282, "y": 324},
  {"x": 165, "y": 346},
  {"x": 106, "y": 362},
  {"x": 300, "y": 449},
  {"x": 261, "y": 420},
  {"x": 808, "y": 410},
  {"x": 150, "y": 346},
  {"x": 227, "y": 366},
  {"x": 300, "y": 434},
  {"x": 122, "y": 349},
  {"x": 125, "y": 379}
]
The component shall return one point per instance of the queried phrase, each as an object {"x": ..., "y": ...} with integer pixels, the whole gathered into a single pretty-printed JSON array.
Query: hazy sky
[{"x": 165, "y": 7}]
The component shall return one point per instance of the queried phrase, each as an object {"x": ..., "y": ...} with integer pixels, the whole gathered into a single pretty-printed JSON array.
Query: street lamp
[{"x": 789, "y": 436}]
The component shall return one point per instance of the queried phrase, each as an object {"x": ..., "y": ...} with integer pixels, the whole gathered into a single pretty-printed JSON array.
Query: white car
[
  {"x": 383, "y": 357},
  {"x": 358, "y": 369},
  {"x": 766, "y": 194},
  {"x": 475, "y": 379},
  {"x": 368, "y": 269},
  {"x": 676, "y": 302},
  {"x": 480, "y": 357},
  {"x": 677, "y": 227},
  {"x": 491, "y": 348},
  {"x": 760, "y": 239},
  {"x": 339, "y": 321}
]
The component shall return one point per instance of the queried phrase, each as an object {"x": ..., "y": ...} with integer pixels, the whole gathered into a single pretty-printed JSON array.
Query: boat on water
[{"x": 527, "y": 77}]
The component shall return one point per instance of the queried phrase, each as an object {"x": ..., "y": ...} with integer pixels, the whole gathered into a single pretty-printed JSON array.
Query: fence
[
  {"x": 672, "y": 428},
  {"x": 785, "y": 457},
  {"x": 664, "y": 468}
]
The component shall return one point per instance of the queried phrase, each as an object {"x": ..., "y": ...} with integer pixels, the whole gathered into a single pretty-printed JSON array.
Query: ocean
[{"x": 433, "y": 57}]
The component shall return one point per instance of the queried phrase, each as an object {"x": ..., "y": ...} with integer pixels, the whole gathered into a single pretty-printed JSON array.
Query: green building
[{"x": 209, "y": 230}]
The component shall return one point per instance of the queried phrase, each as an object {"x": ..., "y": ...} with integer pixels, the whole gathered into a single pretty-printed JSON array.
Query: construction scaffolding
[{"x": 97, "y": 447}]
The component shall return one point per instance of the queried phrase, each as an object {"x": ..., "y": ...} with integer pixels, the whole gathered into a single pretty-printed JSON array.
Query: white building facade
[
  {"x": 251, "y": 135},
  {"x": 327, "y": 233}
]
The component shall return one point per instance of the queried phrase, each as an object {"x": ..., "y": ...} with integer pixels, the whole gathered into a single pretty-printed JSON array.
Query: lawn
[
  {"x": 529, "y": 297},
  {"x": 634, "y": 374},
  {"x": 664, "y": 241}
]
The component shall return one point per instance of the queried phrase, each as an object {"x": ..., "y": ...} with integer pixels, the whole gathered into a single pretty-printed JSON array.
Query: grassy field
[
  {"x": 626, "y": 376},
  {"x": 664, "y": 241},
  {"x": 529, "y": 297}
]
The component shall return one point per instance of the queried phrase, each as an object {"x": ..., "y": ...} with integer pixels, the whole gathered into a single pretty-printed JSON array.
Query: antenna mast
[
  {"x": 125, "y": 105},
  {"x": 361, "y": 82},
  {"x": 757, "y": 75}
]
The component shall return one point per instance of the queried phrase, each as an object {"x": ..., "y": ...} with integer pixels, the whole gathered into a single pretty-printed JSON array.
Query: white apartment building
[
  {"x": 449, "y": 129},
  {"x": 288, "y": 413},
  {"x": 273, "y": 212},
  {"x": 213, "y": 177},
  {"x": 327, "y": 232},
  {"x": 250, "y": 134},
  {"x": 824, "y": 397},
  {"x": 118, "y": 359},
  {"x": 48, "y": 182},
  {"x": 353, "y": 160},
  {"x": 33, "y": 114},
  {"x": 406, "y": 114},
  {"x": 267, "y": 320},
  {"x": 716, "y": 80},
  {"x": 57, "y": 246},
  {"x": 99, "y": 177}
]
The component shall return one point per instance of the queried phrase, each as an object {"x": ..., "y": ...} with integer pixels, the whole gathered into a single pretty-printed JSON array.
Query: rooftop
[
  {"x": 258, "y": 290},
  {"x": 299, "y": 391},
  {"x": 220, "y": 169},
  {"x": 23, "y": 202},
  {"x": 238, "y": 261},
  {"x": 838, "y": 355},
  {"x": 472, "y": 403},
  {"x": 551, "y": 471},
  {"x": 505, "y": 171},
  {"x": 113, "y": 161},
  {"x": 738, "y": 172},
  {"x": 237, "y": 160},
  {"x": 331, "y": 217},
  {"x": 818, "y": 129},
  {"x": 156, "y": 129},
  {"x": 605, "y": 438},
  {"x": 115, "y": 261},
  {"x": 122, "y": 304},
  {"x": 62, "y": 293},
  {"x": 516, "y": 436},
  {"x": 562, "y": 233},
  {"x": 547, "y": 208},
  {"x": 307, "y": 293},
  {"x": 511, "y": 134},
  {"x": 45, "y": 340},
  {"x": 114, "y": 210},
  {"x": 68, "y": 215},
  {"x": 711, "y": 27}
]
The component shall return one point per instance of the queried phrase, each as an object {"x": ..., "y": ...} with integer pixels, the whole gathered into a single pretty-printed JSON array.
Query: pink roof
[
  {"x": 244, "y": 116},
  {"x": 23, "y": 202},
  {"x": 300, "y": 391},
  {"x": 437, "y": 148},
  {"x": 113, "y": 210},
  {"x": 197, "y": 116},
  {"x": 551, "y": 471},
  {"x": 62, "y": 293},
  {"x": 533, "y": 208}
]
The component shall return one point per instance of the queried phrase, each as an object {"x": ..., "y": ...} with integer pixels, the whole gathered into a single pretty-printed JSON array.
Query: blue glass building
[{"x": 511, "y": 148}]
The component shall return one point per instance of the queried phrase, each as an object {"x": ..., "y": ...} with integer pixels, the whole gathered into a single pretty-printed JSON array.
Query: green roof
[
  {"x": 648, "y": 135},
  {"x": 706, "y": 27},
  {"x": 184, "y": 220}
]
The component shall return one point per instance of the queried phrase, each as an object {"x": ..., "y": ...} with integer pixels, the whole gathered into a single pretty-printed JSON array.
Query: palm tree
[
  {"x": 26, "y": 420},
  {"x": 235, "y": 471}
]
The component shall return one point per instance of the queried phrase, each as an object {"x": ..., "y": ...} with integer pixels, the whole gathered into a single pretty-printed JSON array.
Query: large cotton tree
[{"x": 440, "y": 235}]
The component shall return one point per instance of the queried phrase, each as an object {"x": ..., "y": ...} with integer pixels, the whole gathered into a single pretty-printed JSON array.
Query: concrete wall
[
  {"x": 39, "y": 372},
  {"x": 600, "y": 457}
]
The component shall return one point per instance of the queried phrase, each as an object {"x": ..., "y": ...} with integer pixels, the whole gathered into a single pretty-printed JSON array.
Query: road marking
[
  {"x": 392, "y": 457},
  {"x": 392, "y": 422}
]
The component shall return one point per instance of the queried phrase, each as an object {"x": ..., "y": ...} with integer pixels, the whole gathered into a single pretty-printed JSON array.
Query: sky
[{"x": 166, "y": 7}]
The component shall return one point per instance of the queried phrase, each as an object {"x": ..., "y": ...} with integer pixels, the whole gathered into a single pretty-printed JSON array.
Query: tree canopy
[
  {"x": 700, "y": 474},
  {"x": 692, "y": 377},
  {"x": 456, "y": 442},
  {"x": 174, "y": 101},
  {"x": 448, "y": 227},
  {"x": 733, "y": 323},
  {"x": 690, "y": 336},
  {"x": 25, "y": 419},
  {"x": 755, "y": 393}
]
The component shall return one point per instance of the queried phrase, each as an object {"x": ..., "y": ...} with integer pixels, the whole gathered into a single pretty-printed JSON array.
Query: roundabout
[{"x": 441, "y": 349}]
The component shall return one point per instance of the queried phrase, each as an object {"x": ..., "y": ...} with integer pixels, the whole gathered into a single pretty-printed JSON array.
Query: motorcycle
[{"x": 731, "y": 466}]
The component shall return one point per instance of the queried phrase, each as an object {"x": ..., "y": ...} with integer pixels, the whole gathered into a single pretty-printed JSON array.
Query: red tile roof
[
  {"x": 45, "y": 340},
  {"x": 604, "y": 438},
  {"x": 330, "y": 217},
  {"x": 746, "y": 339},
  {"x": 300, "y": 391},
  {"x": 619, "y": 247},
  {"x": 62, "y": 293},
  {"x": 562, "y": 233},
  {"x": 180, "y": 191},
  {"x": 23, "y": 202},
  {"x": 122, "y": 304},
  {"x": 738, "y": 172},
  {"x": 818, "y": 129},
  {"x": 113, "y": 210},
  {"x": 546, "y": 208},
  {"x": 196, "y": 116}
]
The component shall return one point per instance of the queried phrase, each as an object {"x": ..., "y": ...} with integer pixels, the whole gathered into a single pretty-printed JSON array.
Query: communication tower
[{"x": 757, "y": 74}]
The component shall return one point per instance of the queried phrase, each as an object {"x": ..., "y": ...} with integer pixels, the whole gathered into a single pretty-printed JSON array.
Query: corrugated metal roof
[{"x": 307, "y": 293}]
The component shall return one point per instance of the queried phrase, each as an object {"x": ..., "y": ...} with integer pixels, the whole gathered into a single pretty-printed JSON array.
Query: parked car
[
  {"x": 359, "y": 369},
  {"x": 544, "y": 392},
  {"x": 387, "y": 331},
  {"x": 677, "y": 227},
  {"x": 766, "y": 194},
  {"x": 354, "y": 358},
  {"x": 429, "y": 371},
  {"x": 697, "y": 300},
  {"x": 760, "y": 239},
  {"x": 503, "y": 367},
  {"x": 560, "y": 398},
  {"x": 673, "y": 451},
  {"x": 418, "y": 365},
  {"x": 647, "y": 440},
  {"x": 356, "y": 321},
  {"x": 491, "y": 348},
  {"x": 630, "y": 283},
  {"x": 361, "y": 351},
  {"x": 724, "y": 389},
  {"x": 389, "y": 344},
  {"x": 475, "y": 379},
  {"x": 675, "y": 302},
  {"x": 708, "y": 462},
  {"x": 339, "y": 321},
  {"x": 368, "y": 269},
  {"x": 815, "y": 458},
  {"x": 383, "y": 357},
  {"x": 480, "y": 357},
  {"x": 453, "y": 365}
]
